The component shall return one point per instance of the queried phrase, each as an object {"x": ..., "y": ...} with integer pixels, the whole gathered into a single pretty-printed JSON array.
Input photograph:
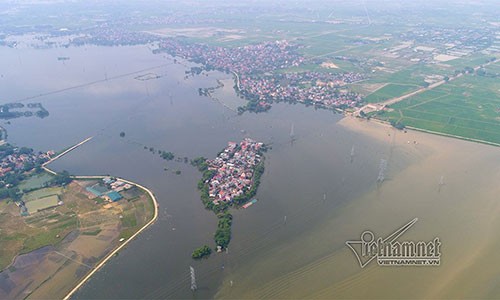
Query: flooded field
[{"x": 317, "y": 192}]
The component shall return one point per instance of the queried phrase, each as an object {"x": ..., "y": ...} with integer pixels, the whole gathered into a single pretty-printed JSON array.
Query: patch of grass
[
  {"x": 133, "y": 199},
  {"x": 41, "y": 193},
  {"x": 82, "y": 196},
  {"x": 93, "y": 232},
  {"x": 69, "y": 224},
  {"x": 40, "y": 240},
  {"x": 129, "y": 220},
  {"x": 391, "y": 91},
  {"x": 468, "y": 107},
  {"x": 127, "y": 233}
]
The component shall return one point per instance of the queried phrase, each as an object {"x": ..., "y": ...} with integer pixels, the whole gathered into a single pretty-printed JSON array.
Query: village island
[{"x": 229, "y": 180}]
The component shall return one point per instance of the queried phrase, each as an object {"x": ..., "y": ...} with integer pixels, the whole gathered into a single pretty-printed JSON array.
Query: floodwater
[{"x": 316, "y": 193}]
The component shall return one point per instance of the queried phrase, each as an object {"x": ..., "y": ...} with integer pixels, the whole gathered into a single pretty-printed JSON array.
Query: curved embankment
[
  {"x": 237, "y": 79},
  {"x": 125, "y": 243}
]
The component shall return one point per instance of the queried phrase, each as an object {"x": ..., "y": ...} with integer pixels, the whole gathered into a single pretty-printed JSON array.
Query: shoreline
[
  {"x": 443, "y": 134},
  {"x": 124, "y": 243},
  {"x": 446, "y": 209}
]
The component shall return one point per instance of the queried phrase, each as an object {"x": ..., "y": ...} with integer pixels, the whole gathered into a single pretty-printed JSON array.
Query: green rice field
[{"x": 467, "y": 107}]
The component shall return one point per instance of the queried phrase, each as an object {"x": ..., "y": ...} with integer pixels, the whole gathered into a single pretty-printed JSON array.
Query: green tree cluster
[
  {"x": 397, "y": 125},
  {"x": 201, "y": 252},
  {"x": 223, "y": 234},
  {"x": 12, "y": 193},
  {"x": 62, "y": 178},
  {"x": 167, "y": 155},
  {"x": 200, "y": 163}
]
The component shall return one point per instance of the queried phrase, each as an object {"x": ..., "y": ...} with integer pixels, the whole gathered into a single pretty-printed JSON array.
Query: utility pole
[{"x": 193, "y": 279}]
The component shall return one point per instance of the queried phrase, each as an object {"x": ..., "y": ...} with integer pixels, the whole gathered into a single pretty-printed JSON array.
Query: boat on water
[{"x": 250, "y": 203}]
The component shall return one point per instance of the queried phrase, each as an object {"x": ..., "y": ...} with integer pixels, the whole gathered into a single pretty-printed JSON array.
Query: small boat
[{"x": 250, "y": 203}]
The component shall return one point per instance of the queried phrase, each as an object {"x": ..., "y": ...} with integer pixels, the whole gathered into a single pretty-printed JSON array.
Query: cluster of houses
[
  {"x": 109, "y": 189},
  {"x": 324, "y": 89},
  {"x": 106, "y": 35},
  {"x": 260, "y": 58},
  {"x": 254, "y": 64},
  {"x": 234, "y": 169},
  {"x": 17, "y": 160}
]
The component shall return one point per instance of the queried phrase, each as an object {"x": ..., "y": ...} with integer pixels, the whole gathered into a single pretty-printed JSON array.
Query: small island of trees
[
  {"x": 167, "y": 155},
  {"x": 203, "y": 251}
]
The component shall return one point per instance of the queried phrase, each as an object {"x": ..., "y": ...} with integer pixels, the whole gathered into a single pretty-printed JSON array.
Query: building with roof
[
  {"x": 97, "y": 190},
  {"x": 113, "y": 196}
]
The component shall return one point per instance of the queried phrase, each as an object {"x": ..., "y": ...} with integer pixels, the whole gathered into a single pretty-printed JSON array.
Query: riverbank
[
  {"x": 126, "y": 242},
  {"x": 77, "y": 248}
]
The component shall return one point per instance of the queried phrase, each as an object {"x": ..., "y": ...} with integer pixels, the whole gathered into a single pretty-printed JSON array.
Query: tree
[
  {"x": 122, "y": 134},
  {"x": 25, "y": 150},
  {"x": 62, "y": 178},
  {"x": 14, "y": 194},
  {"x": 397, "y": 125},
  {"x": 28, "y": 166},
  {"x": 201, "y": 252},
  {"x": 167, "y": 155},
  {"x": 223, "y": 234},
  {"x": 481, "y": 72},
  {"x": 200, "y": 163}
]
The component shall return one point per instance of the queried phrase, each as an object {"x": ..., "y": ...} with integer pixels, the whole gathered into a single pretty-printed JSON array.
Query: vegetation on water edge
[
  {"x": 200, "y": 163},
  {"x": 167, "y": 155},
  {"x": 21, "y": 110},
  {"x": 223, "y": 234},
  {"x": 201, "y": 252}
]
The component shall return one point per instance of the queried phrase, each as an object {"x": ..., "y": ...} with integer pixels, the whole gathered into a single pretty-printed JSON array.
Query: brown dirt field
[{"x": 53, "y": 272}]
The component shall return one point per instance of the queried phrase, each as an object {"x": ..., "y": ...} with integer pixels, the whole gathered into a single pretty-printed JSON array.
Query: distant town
[{"x": 258, "y": 80}]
